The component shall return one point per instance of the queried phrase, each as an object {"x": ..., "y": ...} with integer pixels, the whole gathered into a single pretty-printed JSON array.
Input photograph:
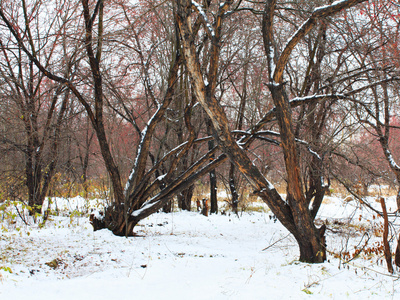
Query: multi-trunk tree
[
  {"x": 96, "y": 84},
  {"x": 297, "y": 211},
  {"x": 153, "y": 79}
]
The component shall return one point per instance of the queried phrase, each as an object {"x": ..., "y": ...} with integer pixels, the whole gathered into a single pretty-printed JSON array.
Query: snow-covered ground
[{"x": 184, "y": 255}]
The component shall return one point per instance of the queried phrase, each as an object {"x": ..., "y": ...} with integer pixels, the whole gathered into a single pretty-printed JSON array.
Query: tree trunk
[
  {"x": 311, "y": 243},
  {"x": 398, "y": 199},
  {"x": 167, "y": 208},
  {"x": 114, "y": 220},
  {"x": 213, "y": 175},
  {"x": 185, "y": 198},
  {"x": 386, "y": 246},
  {"x": 397, "y": 253},
  {"x": 233, "y": 188},
  {"x": 295, "y": 217}
]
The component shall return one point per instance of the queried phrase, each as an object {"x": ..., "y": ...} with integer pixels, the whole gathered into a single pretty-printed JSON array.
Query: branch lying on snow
[{"x": 276, "y": 242}]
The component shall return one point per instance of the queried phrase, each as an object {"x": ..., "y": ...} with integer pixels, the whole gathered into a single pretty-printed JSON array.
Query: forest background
[{"x": 151, "y": 103}]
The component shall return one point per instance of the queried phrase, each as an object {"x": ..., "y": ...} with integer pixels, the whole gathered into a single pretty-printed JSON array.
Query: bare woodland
[{"x": 157, "y": 97}]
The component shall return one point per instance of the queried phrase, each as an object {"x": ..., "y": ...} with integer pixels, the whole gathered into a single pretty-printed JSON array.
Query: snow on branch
[
  {"x": 314, "y": 153},
  {"x": 277, "y": 134},
  {"x": 203, "y": 15},
  {"x": 304, "y": 29},
  {"x": 143, "y": 136},
  {"x": 304, "y": 100},
  {"x": 146, "y": 206},
  {"x": 391, "y": 161},
  {"x": 295, "y": 102},
  {"x": 271, "y": 59},
  {"x": 335, "y": 6}
]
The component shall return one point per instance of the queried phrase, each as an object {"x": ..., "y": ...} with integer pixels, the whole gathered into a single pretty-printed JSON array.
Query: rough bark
[
  {"x": 397, "y": 254},
  {"x": 185, "y": 198},
  {"x": 212, "y": 175},
  {"x": 233, "y": 188},
  {"x": 309, "y": 238},
  {"x": 220, "y": 122},
  {"x": 386, "y": 249},
  {"x": 295, "y": 216}
]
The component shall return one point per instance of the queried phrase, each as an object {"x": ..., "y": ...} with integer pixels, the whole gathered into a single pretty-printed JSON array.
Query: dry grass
[
  {"x": 376, "y": 190},
  {"x": 249, "y": 202}
]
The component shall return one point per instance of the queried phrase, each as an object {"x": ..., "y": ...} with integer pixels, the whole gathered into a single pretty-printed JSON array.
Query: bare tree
[
  {"x": 144, "y": 192},
  {"x": 148, "y": 71},
  {"x": 368, "y": 65},
  {"x": 293, "y": 213},
  {"x": 41, "y": 106}
]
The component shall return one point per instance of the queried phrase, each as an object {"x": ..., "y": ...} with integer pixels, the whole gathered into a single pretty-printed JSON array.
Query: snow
[
  {"x": 204, "y": 16},
  {"x": 316, "y": 96},
  {"x": 145, "y": 206},
  {"x": 272, "y": 61},
  {"x": 391, "y": 160},
  {"x": 333, "y": 4},
  {"x": 317, "y": 10},
  {"x": 142, "y": 137},
  {"x": 161, "y": 177},
  {"x": 314, "y": 153},
  {"x": 184, "y": 255}
]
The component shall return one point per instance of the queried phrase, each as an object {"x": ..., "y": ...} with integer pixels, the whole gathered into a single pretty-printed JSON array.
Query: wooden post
[
  {"x": 198, "y": 204},
  {"x": 397, "y": 254},
  {"x": 204, "y": 211},
  {"x": 388, "y": 255}
]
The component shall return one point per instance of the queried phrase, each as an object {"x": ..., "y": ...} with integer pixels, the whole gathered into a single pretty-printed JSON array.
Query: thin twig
[{"x": 275, "y": 242}]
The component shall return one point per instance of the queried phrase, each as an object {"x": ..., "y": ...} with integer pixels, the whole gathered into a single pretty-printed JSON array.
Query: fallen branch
[{"x": 274, "y": 243}]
